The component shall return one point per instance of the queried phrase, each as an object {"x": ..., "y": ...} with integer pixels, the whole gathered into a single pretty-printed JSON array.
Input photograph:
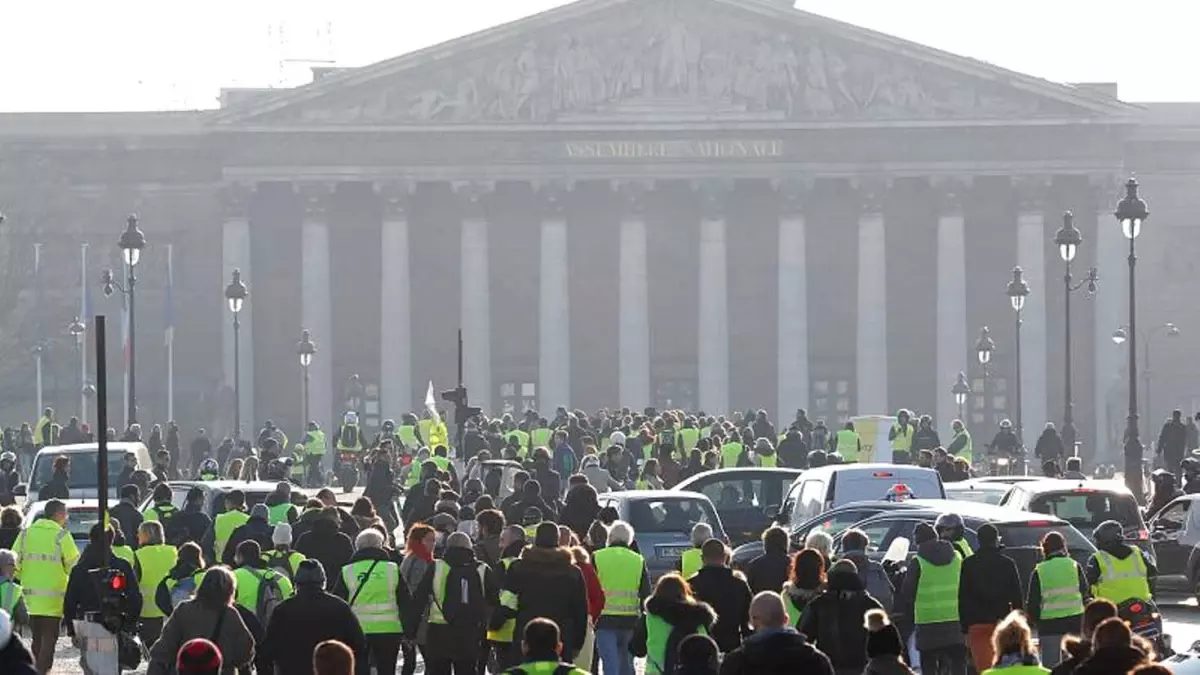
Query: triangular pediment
[{"x": 672, "y": 60}]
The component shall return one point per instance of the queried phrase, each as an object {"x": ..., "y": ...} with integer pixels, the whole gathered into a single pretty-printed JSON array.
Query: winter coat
[
  {"x": 1172, "y": 440},
  {"x": 768, "y": 572},
  {"x": 834, "y": 621},
  {"x": 130, "y": 519},
  {"x": 685, "y": 618},
  {"x": 193, "y": 620},
  {"x": 1075, "y": 652},
  {"x": 874, "y": 579},
  {"x": 1112, "y": 661},
  {"x": 82, "y": 594},
  {"x": 487, "y": 549},
  {"x": 1033, "y": 608},
  {"x": 930, "y": 635},
  {"x": 548, "y": 585},
  {"x": 799, "y": 598},
  {"x": 1049, "y": 445},
  {"x": 58, "y": 487},
  {"x": 580, "y": 509},
  {"x": 463, "y": 637},
  {"x": 8, "y": 537},
  {"x": 729, "y": 595},
  {"x": 162, "y": 594},
  {"x": 195, "y": 521},
  {"x": 16, "y": 659},
  {"x": 989, "y": 588},
  {"x": 412, "y": 572},
  {"x": 925, "y": 439},
  {"x": 255, "y": 529},
  {"x": 305, "y": 620},
  {"x": 595, "y": 591},
  {"x": 327, "y": 544},
  {"x": 776, "y": 651}
]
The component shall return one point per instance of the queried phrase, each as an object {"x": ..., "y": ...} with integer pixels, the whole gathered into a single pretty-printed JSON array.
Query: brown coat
[{"x": 193, "y": 620}]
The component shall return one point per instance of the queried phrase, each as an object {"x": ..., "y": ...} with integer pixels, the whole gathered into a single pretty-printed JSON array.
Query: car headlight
[{"x": 1002, "y": 461}]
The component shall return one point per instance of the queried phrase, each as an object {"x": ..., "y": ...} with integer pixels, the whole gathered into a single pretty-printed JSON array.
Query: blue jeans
[
  {"x": 613, "y": 646},
  {"x": 1050, "y": 647}
]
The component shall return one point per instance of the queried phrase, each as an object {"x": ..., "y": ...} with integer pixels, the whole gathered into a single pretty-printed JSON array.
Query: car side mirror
[{"x": 21, "y": 490}]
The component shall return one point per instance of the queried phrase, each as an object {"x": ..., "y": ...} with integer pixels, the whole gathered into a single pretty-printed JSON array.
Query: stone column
[
  {"x": 554, "y": 315},
  {"x": 395, "y": 324},
  {"x": 476, "y": 295},
  {"x": 951, "y": 300},
  {"x": 1110, "y": 313},
  {"x": 235, "y": 254},
  {"x": 633, "y": 341},
  {"x": 316, "y": 305},
  {"x": 1032, "y": 244},
  {"x": 792, "y": 307},
  {"x": 872, "y": 359},
  {"x": 713, "y": 335}
]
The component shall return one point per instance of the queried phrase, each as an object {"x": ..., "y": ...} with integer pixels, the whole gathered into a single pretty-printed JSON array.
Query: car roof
[
  {"x": 76, "y": 448},
  {"x": 1007, "y": 480},
  {"x": 973, "y": 511},
  {"x": 969, "y": 485},
  {"x": 740, "y": 472},
  {"x": 226, "y": 485},
  {"x": 72, "y": 503},
  {"x": 822, "y": 471},
  {"x": 642, "y": 495},
  {"x": 1049, "y": 485}
]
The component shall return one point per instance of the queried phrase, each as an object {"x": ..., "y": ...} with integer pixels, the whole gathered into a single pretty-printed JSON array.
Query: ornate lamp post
[
  {"x": 132, "y": 241},
  {"x": 1068, "y": 239},
  {"x": 77, "y": 328},
  {"x": 1119, "y": 337},
  {"x": 306, "y": 349},
  {"x": 1132, "y": 212},
  {"x": 960, "y": 390},
  {"x": 984, "y": 347},
  {"x": 1017, "y": 291},
  {"x": 235, "y": 296}
]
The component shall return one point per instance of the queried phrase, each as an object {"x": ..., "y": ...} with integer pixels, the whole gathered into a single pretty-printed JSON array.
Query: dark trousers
[
  {"x": 384, "y": 648},
  {"x": 45, "y": 638},
  {"x": 448, "y": 666},
  {"x": 150, "y": 630},
  {"x": 944, "y": 661}
]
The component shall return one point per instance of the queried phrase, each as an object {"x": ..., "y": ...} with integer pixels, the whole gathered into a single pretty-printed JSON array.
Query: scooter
[
  {"x": 347, "y": 470},
  {"x": 1145, "y": 620}
]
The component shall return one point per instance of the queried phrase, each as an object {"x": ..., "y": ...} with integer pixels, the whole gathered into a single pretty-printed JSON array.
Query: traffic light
[
  {"x": 114, "y": 601},
  {"x": 462, "y": 411}
]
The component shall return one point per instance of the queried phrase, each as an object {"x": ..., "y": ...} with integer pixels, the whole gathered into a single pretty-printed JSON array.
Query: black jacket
[
  {"x": 924, "y": 439},
  {"x": 1111, "y": 661},
  {"x": 547, "y": 584},
  {"x": 130, "y": 518},
  {"x": 580, "y": 509},
  {"x": 255, "y": 529},
  {"x": 463, "y": 637},
  {"x": 989, "y": 587},
  {"x": 729, "y": 595},
  {"x": 779, "y": 651},
  {"x": 195, "y": 521},
  {"x": 58, "y": 487},
  {"x": 8, "y": 536},
  {"x": 833, "y": 621},
  {"x": 1033, "y": 608},
  {"x": 1172, "y": 439},
  {"x": 16, "y": 659},
  {"x": 685, "y": 618},
  {"x": 1049, "y": 445},
  {"x": 326, "y": 543},
  {"x": 768, "y": 571},
  {"x": 83, "y": 596},
  {"x": 305, "y": 620},
  {"x": 793, "y": 451}
]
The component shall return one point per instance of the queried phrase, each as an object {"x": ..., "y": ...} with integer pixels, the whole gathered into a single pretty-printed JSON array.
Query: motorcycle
[
  {"x": 347, "y": 470},
  {"x": 1146, "y": 621}
]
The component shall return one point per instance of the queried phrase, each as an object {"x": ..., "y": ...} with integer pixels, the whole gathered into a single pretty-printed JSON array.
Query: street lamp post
[
  {"x": 1119, "y": 337},
  {"x": 1068, "y": 240},
  {"x": 1131, "y": 213},
  {"x": 132, "y": 241},
  {"x": 984, "y": 347},
  {"x": 306, "y": 349},
  {"x": 235, "y": 296},
  {"x": 960, "y": 390},
  {"x": 38, "y": 350},
  {"x": 1017, "y": 291},
  {"x": 77, "y": 328}
]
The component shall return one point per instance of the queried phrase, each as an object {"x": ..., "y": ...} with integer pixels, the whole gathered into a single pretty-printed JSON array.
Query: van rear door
[{"x": 868, "y": 485}]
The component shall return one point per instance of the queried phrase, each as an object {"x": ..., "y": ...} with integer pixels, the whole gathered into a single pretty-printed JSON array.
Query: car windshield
[
  {"x": 1085, "y": 509},
  {"x": 80, "y": 520},
  {"x": 977, "y": 495},
  {"x": 669, "y": 515},
  {"x": 82, "y": 472}
]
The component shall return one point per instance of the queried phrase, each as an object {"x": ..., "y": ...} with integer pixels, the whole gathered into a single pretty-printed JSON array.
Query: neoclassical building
[{"x": 714, "y": 204}]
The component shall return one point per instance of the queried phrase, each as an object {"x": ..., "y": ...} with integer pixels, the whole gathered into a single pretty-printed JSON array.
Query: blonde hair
[
  {"x": 580, "y": 555},
  {"x": 250, "y": 469},
  {"x": 1012, "y": 636},
  {"x": 152, "y": 530}
]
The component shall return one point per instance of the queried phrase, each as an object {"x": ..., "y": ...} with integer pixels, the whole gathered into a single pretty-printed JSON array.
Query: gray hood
[{"x": 938, "y": 552}]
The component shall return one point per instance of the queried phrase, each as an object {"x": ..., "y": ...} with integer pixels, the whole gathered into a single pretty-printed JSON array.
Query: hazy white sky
[{"x": 74, "y": 55}]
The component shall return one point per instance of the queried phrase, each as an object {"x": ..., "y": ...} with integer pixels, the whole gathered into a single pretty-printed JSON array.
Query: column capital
[
  {"x": 473, "y": 197},
  {"x": 235, "y": 200},
  {"x": 794, "y": 194},
  {"x": 633, "y": 194},
  {"x": 396, "y": 196},
  {"x": 952, "y": 192},
  {"x": 1033, "y": 192},
  {"x": 314, "y": 199},
  {"x": 552, "y": 197},
  {"x": 872, "y": 192},
  {"x": 714, "y": 195}
]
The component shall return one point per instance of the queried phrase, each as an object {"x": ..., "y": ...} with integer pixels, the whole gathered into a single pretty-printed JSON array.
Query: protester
[
  {"x": 1013, "y": 646},
  {"x": 698, "y": 655},
  {"x": 332, "y": 657},
  {"x": 806, "y": 581},
  {"x": 1113, "y": 650},
  {"x": 255, "y": 529},
  {"x": 874, "y": 578},
  {"x": 726, "y": 592},
  {"x": 885, "y": 647},
  {"x": 1079, "y": 647},
  {"x": 209, "y": 616},
  {"x": 672, "y": 614},
  {"x": 370, "y": 584},
  {"x": 199, "y": 657},
  {"x": 833, "y": 621},
  {"x": 939, "y": 636},
  {"x": 775, "y": 648},
  {"x": 989, "y": 589},
  {"x": 821, "y": 542},
  {"x": 309, "y": 618},
  {"x": 1058, "y": 591},
  {"x": 542, "y": 650},
  {"x": 326, "y": 543},
  {"x": 769, "y": 571}
]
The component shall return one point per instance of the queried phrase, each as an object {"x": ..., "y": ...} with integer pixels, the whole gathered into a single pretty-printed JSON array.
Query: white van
[
  {"x": 828, "y": 487},
  {"x": 84, "y": 482}
]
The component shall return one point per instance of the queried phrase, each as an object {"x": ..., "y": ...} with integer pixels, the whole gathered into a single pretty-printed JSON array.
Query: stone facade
[{"x": 720, "y": 204}]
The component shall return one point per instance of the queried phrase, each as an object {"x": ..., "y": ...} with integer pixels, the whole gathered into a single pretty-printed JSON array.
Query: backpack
[
  {"x": 183, "y": 591},
  {"x": 175, "y": 531},
  {"x": 270, "y": 595},
  {"x": 281, "y": 563},
  {"x": 464, "y": 596},
  {"x": 666, "y": 438}
]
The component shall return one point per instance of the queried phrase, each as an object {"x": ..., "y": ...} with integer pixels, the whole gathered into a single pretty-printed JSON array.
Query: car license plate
[{"x": 672, "y": 551}]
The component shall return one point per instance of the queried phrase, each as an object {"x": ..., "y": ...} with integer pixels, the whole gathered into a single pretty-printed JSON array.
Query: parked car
[
  {"x": 82, "y": 514},
  {"x": 1175, "y": 536},
  {"x": 828, "y": 487},
  {"x": 747, "y": 499},
  {"x": 84, "y": 477},
  {"x": 256, "y": 492},
  {"x": 977, "y": 491},
  {"x": 662, "y": 521},
  {"x": 1085, "y": 504}
]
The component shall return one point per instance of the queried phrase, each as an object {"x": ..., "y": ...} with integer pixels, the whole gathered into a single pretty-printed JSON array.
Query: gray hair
[
  {"x": 767, "y": 611},
  {"x": 459, "y": 540},
  {"x": 368, "y": 538},
  {"x": 7, "y": 557},
  {"x": 620, "y": 532},
  {"x": 701, "y": 532},
  {"x": 153, "y": 531},
  {"x": 821, "y": 541}
]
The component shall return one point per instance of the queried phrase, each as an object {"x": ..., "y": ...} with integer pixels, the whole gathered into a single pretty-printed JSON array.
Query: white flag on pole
[{"x": 431, "y": 404}]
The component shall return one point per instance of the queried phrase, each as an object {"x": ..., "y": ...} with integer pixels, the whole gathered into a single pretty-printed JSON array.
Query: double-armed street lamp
[
  {"x": 960, "y": 390},
  {"x": 1131, "y": 213},
  {"x": 235, "y": 297},
  {"x": 1119, "y": 337},
  {"x": 306, "y": 349},
  {"x": 1068, "y": 239},
  {"x": 132, "y": 241},
  {"x": 1017, "y": 291},
  {"x": 984, "y": 348}
]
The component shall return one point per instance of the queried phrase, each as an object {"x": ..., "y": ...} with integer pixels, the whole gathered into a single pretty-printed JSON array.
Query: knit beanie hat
[
  {"x": 310, "y": 572},
  {"x": 882, "y": 637},
  {"x": 198, "y": 657},
  {"x": 260, "y": 511},
  {"x": 282, "y": 534}
]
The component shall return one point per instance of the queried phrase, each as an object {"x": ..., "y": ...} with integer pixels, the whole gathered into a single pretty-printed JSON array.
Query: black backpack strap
[
  {"x": 362, "y": 582},
  {"x": 563, "y": 669}
]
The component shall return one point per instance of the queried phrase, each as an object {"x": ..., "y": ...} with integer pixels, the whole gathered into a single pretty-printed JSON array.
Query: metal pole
[
  {"x": 1146, "y": 376},
  {"x": 1020, "y": 423},
  {"x": 82, "y": 366},
  {"x": 132, "y": 404},
  {"x": 1133, "y": 444},
  {"x": 306, "y": 396},
  {"x": 37, "y": 360},
  {"x": 237, "y": 381},
  {"x": 1069, "y": 404},
  {"x": 101, "y": 426}
]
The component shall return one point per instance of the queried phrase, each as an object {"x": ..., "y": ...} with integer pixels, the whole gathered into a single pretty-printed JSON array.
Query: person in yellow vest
[
  {"x": 1015, "y": 654},
  {"x": 1117, "y": 571},
  {"x": 224, "y": 524},
  {"x": 120, "y": 546},
  {"x": 283, "y": 558},
  {"x": 540, "y": 435},
  {"x": 671, "y": 614},
  {"x": 280, "y": 508},
  {"x": 314, "y": 454},
  {"x": 12, "y": 595},
  {"x": 41, "y": 429},
  {"x": 1058, "y": 592},
  {"x": 949, "y": 527},
  {"x": 626, "y": 584},
  {"x": 458, "y": 593},
  {"x": 649, "y": 478},
  {"x": 764, "y": 453},
  {"x": 155, "y": 560},
  {"x": 732, "y": 453},
  {"x": 45, "y": 555},
  {"x": 929, "y": 594},
  {"x": 181, "y": 582},
  {"x": 425, "y": 424},
  {"x": 438, "y": 435},
  {"x": 83, "y": 597},
  {"x": 251, "y": 573},
  {"x": 846, "y": 443},
  {"x": 371, "y": 584},
  {"x": 687, "y": 436},
  {"x": 691, "y": 561},
  {"x": 901, "y": 435},
  {"x": 441, "y": 458},
  {"x": 349, "y": 437},
  {"x": 960, "y": 445},
  {"x": 512, "y": 544},
  {"x": 408, "y": 434},
  {"x": 542, "y": 651}
]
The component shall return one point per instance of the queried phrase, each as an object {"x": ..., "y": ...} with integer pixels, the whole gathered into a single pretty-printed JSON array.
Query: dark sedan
[{"x": 746, "y": 498}]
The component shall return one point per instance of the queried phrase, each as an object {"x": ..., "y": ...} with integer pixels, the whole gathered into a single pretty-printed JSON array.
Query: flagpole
[
  {"x": 170, "y": 335},
  {"x": 84, "y": 312}
]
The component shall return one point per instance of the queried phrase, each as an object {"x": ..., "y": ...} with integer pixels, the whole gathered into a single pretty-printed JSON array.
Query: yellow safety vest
[
  {"x": 154, "y": 563},
  {"x": 769, "y": 461},
  {"x": 357, "y": 439},
  {"x": 248, "y": 581},
  {"x": 904, "y": 436},
  {"x": 315, "y": 445},
  {"x": 620, "y": 571},
  {"x": 1058, "y": 579},
  {"x": 522, "y": 438},
  {"x": 443, "y": 463},
  {"x": 1018, "y": 670},
  {"x": 45, "y": 555},
  {"x": 731, "y": 453},
  {"x": 375, "y": 603},
  {"x": 39, "y": 431},
  {"x": 691, "y": 562},
  {"x": 505, "y": 633},
  {"x": 545, "y": 668},
  {"x": 158, "y": 512},
  {"x": 1120, "y": 580},
  {"x": 441, "y": 575},
  {"x": 937, "y": 591},
  {"x": 284, "y": 561},
  {"x": 425, "y": 425},
  {"x": 965, "y": 452},
  {"x": 963, "y": 547},
  {"x": 540, "y": 437},
  {"x": 407, "y": 434},
  {"x": 124, "y": 553},
  {"x": 438, "y": 436},
  {"x": 10, "y": 596},
  {"x": 279, "y": 513},
  {"x": 847, "y": 445},
  {"x": 223, "y": 528},
  {"x": 687, "y": 438}
]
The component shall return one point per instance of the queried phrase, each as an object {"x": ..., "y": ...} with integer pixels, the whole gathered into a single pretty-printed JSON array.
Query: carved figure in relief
[
  {"x": 678, "y": 59},
  {"x": 528, "y": 83},
  {"x": 816, "y": 90}
]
